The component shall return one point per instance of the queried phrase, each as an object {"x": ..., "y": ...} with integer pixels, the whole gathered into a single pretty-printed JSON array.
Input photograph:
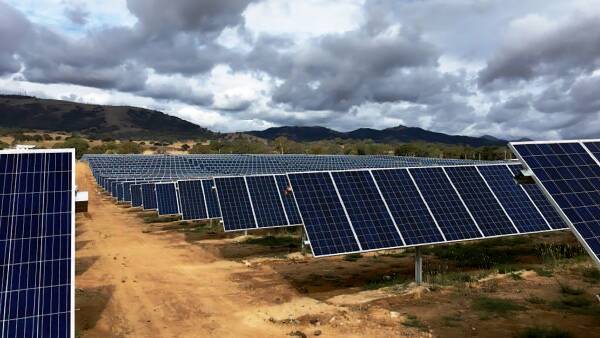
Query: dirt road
[{"x": 135, "y": 284}]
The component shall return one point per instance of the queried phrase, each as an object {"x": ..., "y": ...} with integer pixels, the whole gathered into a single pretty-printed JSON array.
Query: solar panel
[
  {"x": 266, "y": 201},
  {"x": 210, "y": 195},
  {"x": 541, "y": 202},
  {"x": 444, "y": 202},
  {"x": 236, "y": 209},
  {"x": 37, "y": 244},
  {"x": 148, "y": 196},
  {"x": 372, "y": 222},
  {"x": 515, "y": 200},
  {"x": 289, "y": 202},
  {"x": 594, "y": 148},
  {"x": 136, "y": 195},
  {"x": 127, "y": 191},
  {"x": 323, "y": 215},
  {"x": 166, "y": 198},
  {"x": 481, "y": 201},
  {"x": 191, "y": 197},
  {"x": 407, "y": 207},
  {"x": 569, "y": 174}
]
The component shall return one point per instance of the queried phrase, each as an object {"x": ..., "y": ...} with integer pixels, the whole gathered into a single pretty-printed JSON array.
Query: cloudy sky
[{"x": 512, "y": 68}]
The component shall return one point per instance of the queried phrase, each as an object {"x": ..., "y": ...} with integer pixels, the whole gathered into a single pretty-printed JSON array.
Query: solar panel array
[
  {"x": 364, "y": 210},
  {"x": 346, "y": 203},
  {"x": 37, "y": 243},
  {"x": 133, "y": 179},
  {"x": 569, "y": 174}
]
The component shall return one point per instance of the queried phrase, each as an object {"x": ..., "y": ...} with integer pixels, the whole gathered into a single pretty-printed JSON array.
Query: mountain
[
  {"x": 389, "y": 135},
  {"x": 118, "y": 122}
]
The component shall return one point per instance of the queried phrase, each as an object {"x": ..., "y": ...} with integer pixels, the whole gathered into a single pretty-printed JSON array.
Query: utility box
[{"x": 81, "y": 201}]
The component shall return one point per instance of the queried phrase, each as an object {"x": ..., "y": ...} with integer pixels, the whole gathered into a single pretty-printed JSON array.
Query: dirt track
[{"x": 135, "y": 284}]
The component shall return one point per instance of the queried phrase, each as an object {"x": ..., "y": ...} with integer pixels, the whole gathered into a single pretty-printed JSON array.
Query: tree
[
  {"x": 129, "y": 148},
  {"x": 81, "y": 146},
  {"x": 281, "y": 144},
  {"x": 185, "y": 147}
]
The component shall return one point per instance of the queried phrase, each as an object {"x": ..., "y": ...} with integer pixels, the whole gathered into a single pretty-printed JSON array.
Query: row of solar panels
[
  {"x": 363, "y": 210},
  {"x": 568, "y": 172}
]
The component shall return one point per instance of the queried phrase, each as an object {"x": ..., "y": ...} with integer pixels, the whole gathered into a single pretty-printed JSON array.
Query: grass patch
[
  {"x": 413, "y": 321},
  {"x": 160, "y": 219},
  {"x": 567, "y": 290},
  {"x": 451, "y": 320},
  {"x": 496, "y": 306},
  {"x": 571, "y": 301},
  {"x": 535, "y": 300},
  {"x": 352, "y": 257},
  {"x": 591, "y": 274},
  {"x": 384, "y": 281},
  {"x": 542, "y": 272},
  {"x": 275, "y": 241},
  {"x": 515, "y": 276},
  {"x": 450, "y": 278},
  {"x": 543, "y": 332}
]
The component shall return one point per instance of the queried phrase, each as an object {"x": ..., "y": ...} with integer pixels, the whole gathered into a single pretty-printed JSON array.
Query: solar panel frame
[
  {"x": 136, "y": 195},
  {"x": 330, "y": 245},
  {"x": 367, "y": 228},
  {"x": 547, "y": 145},
  {"x": 212, "y": 201},
  {"x": 481, "y": 200},
  {"x": 258, "y": 200},
  {"x": 289, "y": 201},
  {"x": 149, "y": 196},
  {"x": 399, "y": 190},
  {"x": 236, "y": 187},
  {"x": 541, "y": 203},
  {"x": 167, "y": 205},
  {"x": 183, "y": 202},
  {"x": 71, "y": 307}
]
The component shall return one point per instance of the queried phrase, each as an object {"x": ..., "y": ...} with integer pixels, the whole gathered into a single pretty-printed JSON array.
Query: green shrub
[
  {"x": 496, "y": 306},
  {"x": 543, "y": 332}
]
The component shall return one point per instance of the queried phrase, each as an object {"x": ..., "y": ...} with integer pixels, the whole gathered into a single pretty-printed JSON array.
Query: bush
[
  {"x": 497, "y": 306},
  {"x": 543, "y": 332},
  {"x": 129, "y": 148},
  {"x": 81, "y": 146}
]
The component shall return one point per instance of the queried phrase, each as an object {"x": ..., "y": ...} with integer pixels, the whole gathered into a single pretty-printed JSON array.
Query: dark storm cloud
[
  {"x": 206, "y": 16},
  {"x": 570, "y": 49},
  {"x": 77, "y": 14},
  {"x": 14, "y": 27},
  {"x": 339, "y": 71}
]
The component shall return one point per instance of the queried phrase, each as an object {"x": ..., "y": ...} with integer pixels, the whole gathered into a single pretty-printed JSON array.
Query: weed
[
  {"x": 275, "y": 241},
  {"x": 572, "y": 302},
  {"x": 515, "y": 276},
  {"x": 451, "y": 320},
  {"x": 490, "y": 286},
  {"x": 352, "y": 257},
  {"x": 160, "y": 219},
  {"x": 543, "y": 332},
  {"x": 542, "y": 272},
  {"x": 591, "y": 274},
  {"x": 496, "y": 306},
  {"x": 384, "y": 281},
  {"x": 535, "y": 300},
  {"x": 413, "y": 321},
  {"x": 559, "y": 251},
  {"x": 567, "y": 290}
]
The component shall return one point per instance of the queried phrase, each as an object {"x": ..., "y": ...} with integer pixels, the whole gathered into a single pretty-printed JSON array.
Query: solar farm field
[{"x": 139, "y": 274}]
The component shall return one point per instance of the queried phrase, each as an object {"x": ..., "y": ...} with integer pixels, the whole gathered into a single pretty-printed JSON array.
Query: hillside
[
  {"x": 119, "y": 122},
  {"x": 389, "y": 135}
]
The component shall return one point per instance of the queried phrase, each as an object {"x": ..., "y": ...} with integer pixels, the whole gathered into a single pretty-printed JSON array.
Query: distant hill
[
  {"x": 119, "y": 122},
  {"x": 395, "y": 134}
]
